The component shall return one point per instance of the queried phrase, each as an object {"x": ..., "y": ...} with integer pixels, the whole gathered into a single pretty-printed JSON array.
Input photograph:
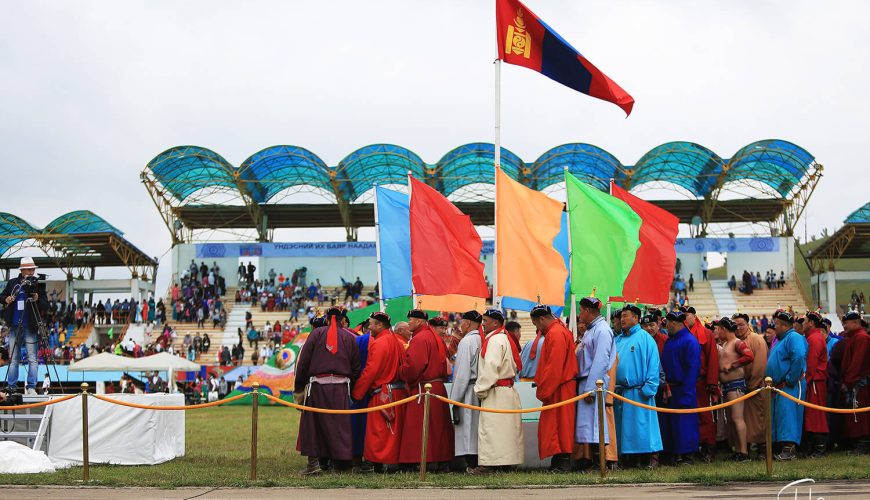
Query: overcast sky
[{"x": 90, "y": 91}]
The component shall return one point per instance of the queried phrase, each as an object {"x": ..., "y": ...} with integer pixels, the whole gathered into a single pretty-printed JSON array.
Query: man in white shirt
[{"x": 705, "y": 266}]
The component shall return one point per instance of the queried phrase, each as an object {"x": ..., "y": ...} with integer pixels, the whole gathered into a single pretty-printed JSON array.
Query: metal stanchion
[
  {"x": 86, "y": 473},
  {"x": 600, "y": 394},
  {"x": 766, "y": 393},
  {"x": 255, "y": 407},
  {"x": 424, "y": 446}
]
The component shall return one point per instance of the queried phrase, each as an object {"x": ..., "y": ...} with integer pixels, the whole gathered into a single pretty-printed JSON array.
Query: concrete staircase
[
  {"x": 724, "y": 298},
  {"x": 703, "y": 300},
  {"x": 766, "y": 301}
]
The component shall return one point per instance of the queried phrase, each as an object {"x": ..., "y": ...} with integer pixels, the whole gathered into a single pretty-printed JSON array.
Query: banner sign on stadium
[
  {"x": 367, "y": 248},
  {"x": 704, "y": 245}
]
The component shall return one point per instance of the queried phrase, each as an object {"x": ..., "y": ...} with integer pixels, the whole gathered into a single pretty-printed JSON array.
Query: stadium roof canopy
[
  {"x": 75, "y": 241},
  {"x": 851, "y": 241},
  {"x": 772, "y": 180}
]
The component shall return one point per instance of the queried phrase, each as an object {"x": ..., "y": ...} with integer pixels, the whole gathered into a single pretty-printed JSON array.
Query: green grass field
[{"x": 219, "y": 444}]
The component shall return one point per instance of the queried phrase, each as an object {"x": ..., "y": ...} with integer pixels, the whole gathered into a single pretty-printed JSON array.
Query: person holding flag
[
  {"x": 381, "y": 382},
  {"x": 327, "y": 367},
  {"x": 555, "y": 381},
  {"x": 465, "y": 421},
  {"x": 426, "y": 363},
  {"x": 500, "y": 435}
]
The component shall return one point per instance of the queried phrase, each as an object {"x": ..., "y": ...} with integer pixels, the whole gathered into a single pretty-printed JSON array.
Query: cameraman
[{"x": 22, "y": 303}]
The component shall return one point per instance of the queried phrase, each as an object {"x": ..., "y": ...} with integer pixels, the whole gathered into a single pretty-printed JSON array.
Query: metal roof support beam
[
  {"x": 164, "y": 206},
  {"x": 797, "y": 202},
  {"x": 827, "y": 259}
]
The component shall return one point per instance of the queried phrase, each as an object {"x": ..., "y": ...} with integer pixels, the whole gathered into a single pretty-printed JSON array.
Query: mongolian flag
[{"x": 525, "y": 40}]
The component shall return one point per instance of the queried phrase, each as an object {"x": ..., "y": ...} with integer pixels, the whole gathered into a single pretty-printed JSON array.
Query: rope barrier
[
  {"x": 157, "y": 407},
  {"x": 521, "y": 410},
  {"x": 823, "y": 408},
  {"x": 688, "y": 410},
  {"x": 37, "y": 405},
  {"x": 339, "y": 412}
]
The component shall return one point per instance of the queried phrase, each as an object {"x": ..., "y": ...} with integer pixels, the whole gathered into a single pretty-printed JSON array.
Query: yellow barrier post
[
  {"x": 255, "y": 393},
  {"x": 768, "y": 424},
  {"x": 602, "y": 454},
  {"x": 423, "y": 462},
  {"x": 86, "y": 473}
]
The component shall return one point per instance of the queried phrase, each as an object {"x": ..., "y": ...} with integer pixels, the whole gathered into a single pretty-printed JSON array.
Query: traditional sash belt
[
  {"x": 504, "y": 382},
  {"x": 329, "y": 378},
  {"x": 390, "y": 386}
]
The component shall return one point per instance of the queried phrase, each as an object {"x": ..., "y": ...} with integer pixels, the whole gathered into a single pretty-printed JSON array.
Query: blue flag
[{"x": 394, "y": 231}]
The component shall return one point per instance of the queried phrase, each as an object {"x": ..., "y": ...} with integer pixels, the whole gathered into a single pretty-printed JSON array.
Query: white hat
[{"x": 27, "y": 263}]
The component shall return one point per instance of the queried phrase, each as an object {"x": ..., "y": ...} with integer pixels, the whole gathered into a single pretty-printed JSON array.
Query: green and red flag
[{"x": 604, "y": 239}]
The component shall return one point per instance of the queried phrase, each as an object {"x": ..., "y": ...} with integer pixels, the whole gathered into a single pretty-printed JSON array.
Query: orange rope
[
  {"x": 188, "y": 407},
  {"x": 521, "y": 410},
  {"x": 823, "y": 408},
  {"x": 339, "y": 412},
  {"x": 688, "y": 410},
  {"x": 37, "y": 405}
]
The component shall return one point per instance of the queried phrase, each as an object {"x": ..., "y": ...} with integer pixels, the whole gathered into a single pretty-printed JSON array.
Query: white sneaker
[{"x": 30, "y": 392}]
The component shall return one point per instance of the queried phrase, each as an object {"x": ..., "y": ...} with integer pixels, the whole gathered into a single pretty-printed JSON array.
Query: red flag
[
  {"x": 332, "y": 337},
  {"x": 649, "y": 281},
  {"x": 445, "y": 247}
]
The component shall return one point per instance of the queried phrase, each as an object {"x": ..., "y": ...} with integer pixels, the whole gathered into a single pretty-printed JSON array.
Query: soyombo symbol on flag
[
  {"x": 604, "y": 239},
  {"x": 525, "y": 40}
]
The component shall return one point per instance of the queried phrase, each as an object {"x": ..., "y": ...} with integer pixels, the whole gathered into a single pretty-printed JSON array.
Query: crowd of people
[
  {"x": 856, "y": 301},
  {"x": 675, "y": 361},
  {"x": 750, "y": 282}
]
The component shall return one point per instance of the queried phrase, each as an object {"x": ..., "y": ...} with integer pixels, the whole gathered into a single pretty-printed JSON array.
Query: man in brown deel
[
  {"x": 753, "y": 408},
  {"x": 734, "y": 354}
]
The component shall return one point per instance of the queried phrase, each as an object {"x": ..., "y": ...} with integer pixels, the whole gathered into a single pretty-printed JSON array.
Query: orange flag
[{"x": 527, "y": 222}]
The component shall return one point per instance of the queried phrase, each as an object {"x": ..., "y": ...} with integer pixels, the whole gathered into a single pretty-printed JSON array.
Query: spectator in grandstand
[
  {"x": 691, "y": 282},
  {"x": 705, "y": 266},
  {"x": 781, "y": 282}
]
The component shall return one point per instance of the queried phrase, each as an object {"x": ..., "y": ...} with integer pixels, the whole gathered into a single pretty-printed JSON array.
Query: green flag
[
  {"x": 111, "y": 332},
  {"x": 604, "y": 240}
]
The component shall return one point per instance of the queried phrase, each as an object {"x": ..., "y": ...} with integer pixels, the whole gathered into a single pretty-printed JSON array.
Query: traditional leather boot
[
  {"x": 788, "y": 452},
  {"x": 313, "y": 467}
]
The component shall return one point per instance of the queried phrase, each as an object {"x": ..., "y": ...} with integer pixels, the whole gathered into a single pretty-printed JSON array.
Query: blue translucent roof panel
[
  {"x": 860, "y": 216},
  {"x": 684, "y": 164},
  {"x": 473, "y": 164},
  {"x": 588, "y": 163},
  {"x": 378, "y": 164},
  {"x": 79, "y": 222},
  {"x": 276, "y": 168},
  {"x": 13, "y": 230},
  {"x": 777, "y": 163},
  {"x": 183, "y": 170}
]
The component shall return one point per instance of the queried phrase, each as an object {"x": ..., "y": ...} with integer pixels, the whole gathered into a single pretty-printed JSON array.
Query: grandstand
[
  {"x": 765, "y": 184},
  {"x": 203, "y": 199}
]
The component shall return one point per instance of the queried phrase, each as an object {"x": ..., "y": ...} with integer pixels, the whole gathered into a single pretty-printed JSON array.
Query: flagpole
[
  {"x": 378, "y": 254},
  {"x": 572, "y": 321},
  {"x": 413, "y": 291},
  {"x": 496, "y": 300}
]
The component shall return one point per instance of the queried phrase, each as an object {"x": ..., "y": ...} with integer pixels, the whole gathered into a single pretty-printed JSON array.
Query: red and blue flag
[{"x": 525, "y": 40}]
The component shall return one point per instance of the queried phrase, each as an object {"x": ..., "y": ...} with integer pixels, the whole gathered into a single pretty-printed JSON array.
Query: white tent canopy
[
  {"x": 106, "y": 362},
  {"x": 165, "y": 361}
]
